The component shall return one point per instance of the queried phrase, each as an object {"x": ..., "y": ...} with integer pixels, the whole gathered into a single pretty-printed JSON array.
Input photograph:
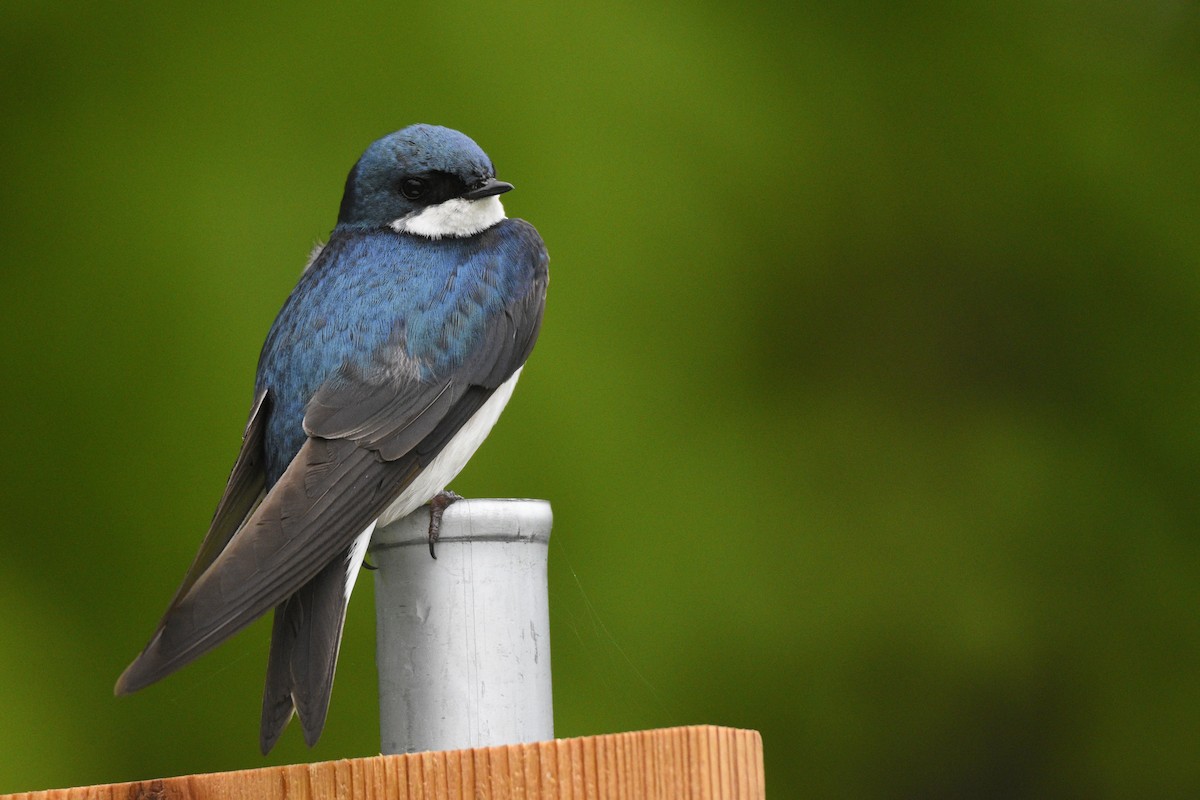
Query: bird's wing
[
  {"x": 396, "y": 422},
  {"x": 367, "y": 440}
]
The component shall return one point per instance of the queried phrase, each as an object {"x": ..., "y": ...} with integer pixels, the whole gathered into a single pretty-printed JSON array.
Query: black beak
[{"x": 486, "y": 189}]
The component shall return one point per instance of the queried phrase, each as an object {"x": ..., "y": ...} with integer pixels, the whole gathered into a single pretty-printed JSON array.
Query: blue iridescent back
[{"x": 386, "y": 304}]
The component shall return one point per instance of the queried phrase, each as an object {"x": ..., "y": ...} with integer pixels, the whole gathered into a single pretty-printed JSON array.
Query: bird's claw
[{"x": 437, "y": 506}]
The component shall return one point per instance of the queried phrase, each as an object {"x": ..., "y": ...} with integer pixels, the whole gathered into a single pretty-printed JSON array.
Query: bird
[{"x": 385, "y": 369}]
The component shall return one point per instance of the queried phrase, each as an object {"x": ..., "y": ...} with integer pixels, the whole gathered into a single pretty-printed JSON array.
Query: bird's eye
[{"x": 413, "y": 188}]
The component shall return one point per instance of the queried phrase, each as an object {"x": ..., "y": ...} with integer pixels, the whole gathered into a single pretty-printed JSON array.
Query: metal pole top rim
[{"x": 482, "y": 520}]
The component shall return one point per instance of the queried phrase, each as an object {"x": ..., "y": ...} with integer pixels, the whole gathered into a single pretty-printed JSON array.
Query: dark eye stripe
[{"x": 434, "y": 187}]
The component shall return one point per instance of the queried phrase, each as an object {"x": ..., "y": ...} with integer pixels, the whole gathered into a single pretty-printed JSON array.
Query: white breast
[{"x": 448, "y": 463}]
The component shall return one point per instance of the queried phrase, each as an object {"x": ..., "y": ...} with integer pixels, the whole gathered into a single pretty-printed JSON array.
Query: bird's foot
[{"x": 437, "y": 506}]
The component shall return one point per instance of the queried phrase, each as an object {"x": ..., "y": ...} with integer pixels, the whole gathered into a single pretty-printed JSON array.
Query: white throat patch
[{"x": 455, "y": 217}]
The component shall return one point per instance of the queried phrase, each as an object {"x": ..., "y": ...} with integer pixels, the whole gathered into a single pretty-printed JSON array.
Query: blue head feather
[{"x": 372, "y": 197}]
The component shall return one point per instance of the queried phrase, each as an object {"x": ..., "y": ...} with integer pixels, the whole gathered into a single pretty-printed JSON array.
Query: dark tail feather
[
  {"x": 277, "y": 705},
  {"x": 305, "y": 639}
]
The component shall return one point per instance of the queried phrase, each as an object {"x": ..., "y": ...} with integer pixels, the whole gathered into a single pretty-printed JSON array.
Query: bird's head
[{"x": 424, "y": 180}]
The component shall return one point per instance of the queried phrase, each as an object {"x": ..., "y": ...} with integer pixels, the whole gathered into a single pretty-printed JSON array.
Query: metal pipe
[{"x": 463, "y": 642}]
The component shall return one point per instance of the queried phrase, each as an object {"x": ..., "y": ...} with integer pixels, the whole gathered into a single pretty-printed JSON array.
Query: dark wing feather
[
  {"x": 377, "y": 416},
  {"x": 328, "y": 494},
  {"x": 307, "y": 629}
]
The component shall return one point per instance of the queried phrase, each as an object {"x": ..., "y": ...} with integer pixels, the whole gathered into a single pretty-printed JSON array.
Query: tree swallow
[{"x": 384, "y": 371}]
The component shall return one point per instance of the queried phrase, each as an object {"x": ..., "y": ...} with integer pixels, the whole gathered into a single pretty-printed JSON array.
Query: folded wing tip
[
  {"x": 148, "y": 667},
  {"x": 132, "y": 679}
]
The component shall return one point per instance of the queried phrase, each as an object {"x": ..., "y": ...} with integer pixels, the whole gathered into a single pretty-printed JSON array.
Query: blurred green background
[{"x": 867, "y": 394}]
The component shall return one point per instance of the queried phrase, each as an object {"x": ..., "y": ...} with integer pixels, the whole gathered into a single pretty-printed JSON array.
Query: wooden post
[{"x": 693, "y": 763}]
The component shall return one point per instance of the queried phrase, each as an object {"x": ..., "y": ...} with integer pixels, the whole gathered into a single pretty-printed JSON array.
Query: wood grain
[{"x": 702, "y": 762}]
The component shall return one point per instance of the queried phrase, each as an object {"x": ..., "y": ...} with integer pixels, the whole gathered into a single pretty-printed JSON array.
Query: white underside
[
  {"x": 455, "y": 217},
  {"x": 358, "y": 551},
  {"x": 433, "y": 479}
]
